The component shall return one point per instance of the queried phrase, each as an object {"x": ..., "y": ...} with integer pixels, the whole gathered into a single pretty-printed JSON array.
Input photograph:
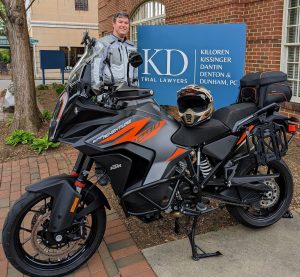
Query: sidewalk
[
  {"x": 268, "y": 252},
  {"x": 117, "y": 255}
]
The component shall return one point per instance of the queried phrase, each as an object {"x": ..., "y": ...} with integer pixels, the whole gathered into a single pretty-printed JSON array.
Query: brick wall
[
  {"x": 264, "y": 21},
  {"x": 107, "y": 8},
  {"x": 292, "y": 110}
]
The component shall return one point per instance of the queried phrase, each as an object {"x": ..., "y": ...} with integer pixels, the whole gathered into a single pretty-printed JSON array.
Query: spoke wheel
[{"x": 33, "y": 250}]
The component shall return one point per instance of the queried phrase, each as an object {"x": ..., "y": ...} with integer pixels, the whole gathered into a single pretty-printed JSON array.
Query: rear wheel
[
  {"x": 274, "y": 203},
  {"x": 36, "y": 252}
]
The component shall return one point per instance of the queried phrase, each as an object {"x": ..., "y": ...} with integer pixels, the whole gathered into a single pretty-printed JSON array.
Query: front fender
[{"x": 61, "y": 188}]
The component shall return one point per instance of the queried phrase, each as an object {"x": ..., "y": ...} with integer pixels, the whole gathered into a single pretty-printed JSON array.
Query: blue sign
[
  {"x": 211, "y": 55},
  {"x": 52, "y": 59}
]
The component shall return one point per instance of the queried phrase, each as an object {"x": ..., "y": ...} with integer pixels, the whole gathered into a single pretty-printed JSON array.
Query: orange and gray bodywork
[{"x": 146, "y": 133}]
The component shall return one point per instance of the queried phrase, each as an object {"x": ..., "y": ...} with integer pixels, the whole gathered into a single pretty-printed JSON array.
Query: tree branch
[{"x": 29, "y": 5}]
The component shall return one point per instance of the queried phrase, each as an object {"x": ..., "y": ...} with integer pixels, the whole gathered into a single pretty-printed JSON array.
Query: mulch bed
[
  {"x": 47, "y": 100},
  {"x": 157, "y": 232}
]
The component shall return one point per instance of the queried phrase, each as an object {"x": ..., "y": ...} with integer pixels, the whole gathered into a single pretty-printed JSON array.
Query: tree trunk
[{"x": 27, "y": 115}]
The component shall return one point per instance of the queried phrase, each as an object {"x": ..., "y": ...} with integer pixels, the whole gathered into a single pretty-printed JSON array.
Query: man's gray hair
[{"x": 120, "y": 14}]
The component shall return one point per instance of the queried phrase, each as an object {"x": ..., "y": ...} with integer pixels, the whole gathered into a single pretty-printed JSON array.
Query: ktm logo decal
[{"x": 131, "y": 132}]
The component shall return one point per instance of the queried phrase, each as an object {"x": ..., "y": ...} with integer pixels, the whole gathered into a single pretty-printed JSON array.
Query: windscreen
[{"x": 90, "y": 54}]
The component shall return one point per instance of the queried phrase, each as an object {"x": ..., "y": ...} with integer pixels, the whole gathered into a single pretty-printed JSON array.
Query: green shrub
[
  {"x": 46, "y": 115},
  {"x": 19, "y": 136},
  {"x": 55, "y": 85},
  {"x": 41, "y": 144},
  {"x": 5, "y": 56},
  {"x": 59, "y": 88},
  {"x": 42, "y": 87}
]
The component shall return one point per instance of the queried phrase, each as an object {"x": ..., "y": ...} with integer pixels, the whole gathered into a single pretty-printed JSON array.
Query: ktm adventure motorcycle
[{"x": 154, "y": 165}]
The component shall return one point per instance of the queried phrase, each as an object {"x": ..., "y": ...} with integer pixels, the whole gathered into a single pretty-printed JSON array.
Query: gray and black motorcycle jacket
[{"x": 110, "y": 63}]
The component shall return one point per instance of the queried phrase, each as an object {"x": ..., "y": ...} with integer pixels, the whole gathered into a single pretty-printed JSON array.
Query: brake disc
[
  {"x": 271, "y": 197},
  {"x": 39, "y": 243}
]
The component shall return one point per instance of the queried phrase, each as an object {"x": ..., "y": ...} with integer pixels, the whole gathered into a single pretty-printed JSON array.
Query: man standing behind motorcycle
[{"x": 110, "y": 65}]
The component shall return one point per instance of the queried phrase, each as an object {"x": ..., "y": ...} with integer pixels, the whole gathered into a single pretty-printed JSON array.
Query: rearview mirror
[{"x": 135, "y": 59}]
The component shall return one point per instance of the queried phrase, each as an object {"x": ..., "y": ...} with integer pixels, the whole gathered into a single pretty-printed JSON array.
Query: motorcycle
[{"x": 154, "y": 165}]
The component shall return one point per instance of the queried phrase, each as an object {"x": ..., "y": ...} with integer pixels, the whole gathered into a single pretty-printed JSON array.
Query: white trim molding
[
  {"x": 65, "y": 25},
  {"x": 148, "y": 13},
  {"x": 286, "y": 46},
  {"x": 283, "y": 63}
]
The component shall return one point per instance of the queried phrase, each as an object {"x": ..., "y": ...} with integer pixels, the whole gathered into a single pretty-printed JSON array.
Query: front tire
[
  {"x": 269, "y": 212},
  {"x": 25, "y": 237}
]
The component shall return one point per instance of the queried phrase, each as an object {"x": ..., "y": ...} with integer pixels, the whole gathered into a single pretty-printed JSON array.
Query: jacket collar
[{"x": 118, "y": 39}]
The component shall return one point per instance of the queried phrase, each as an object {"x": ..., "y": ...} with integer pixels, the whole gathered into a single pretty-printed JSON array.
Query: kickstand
[
  {"x": 195, "y": 255},
  {"x": 177, "y": 226},
  {"x": 288, "y": 214}
]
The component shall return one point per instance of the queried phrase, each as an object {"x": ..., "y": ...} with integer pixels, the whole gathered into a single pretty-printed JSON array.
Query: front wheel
[
  {"x": 274, "y": 203},
  {"x": 34, "y": 251}
]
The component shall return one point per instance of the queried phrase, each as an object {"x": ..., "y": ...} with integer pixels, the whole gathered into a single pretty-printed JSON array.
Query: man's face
[{"x": 121, "y": 27}]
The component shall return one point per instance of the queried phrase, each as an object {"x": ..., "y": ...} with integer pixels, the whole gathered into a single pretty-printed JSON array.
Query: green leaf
[
  {"x": 46, "y": 115},
  {"x": 59, "y": 88},
  {"x": 19, "y": 136},
  {"x": 42, "y": 87},
  {"x": 42, "y": 144}
]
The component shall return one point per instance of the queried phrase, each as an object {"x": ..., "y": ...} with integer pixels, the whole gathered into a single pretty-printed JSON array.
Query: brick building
[
  {"x": 273, "y": 29},
  {"x": 59, "y": 25}
]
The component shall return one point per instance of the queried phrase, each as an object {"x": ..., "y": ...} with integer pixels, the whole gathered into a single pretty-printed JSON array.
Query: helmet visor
[{"x": 197, "y": 103}]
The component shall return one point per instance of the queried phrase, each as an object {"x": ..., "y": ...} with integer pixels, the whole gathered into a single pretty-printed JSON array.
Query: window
[
  {"x": 72, "y": 55},
  {"x": 292, "y": 46},
  {"x": 81, "y": 5},
  {"x": 149, "y": 13}
]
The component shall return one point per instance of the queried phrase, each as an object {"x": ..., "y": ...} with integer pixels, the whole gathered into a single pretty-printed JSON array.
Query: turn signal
[
  {"x": 74, "y": 205},
  {"x": 292, "y": 128}
]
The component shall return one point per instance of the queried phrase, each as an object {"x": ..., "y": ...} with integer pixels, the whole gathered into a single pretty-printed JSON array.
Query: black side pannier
[{"x": 264, "y": 88}]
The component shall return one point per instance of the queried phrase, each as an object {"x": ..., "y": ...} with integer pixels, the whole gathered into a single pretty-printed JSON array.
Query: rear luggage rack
[{"x": 270, "y": 142}]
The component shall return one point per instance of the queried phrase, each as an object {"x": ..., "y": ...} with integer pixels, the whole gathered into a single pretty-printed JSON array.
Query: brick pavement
[{"x": 117, "y": 255}]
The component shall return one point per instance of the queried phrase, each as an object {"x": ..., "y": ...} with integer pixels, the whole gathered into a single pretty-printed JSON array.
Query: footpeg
[
  {"x": 201, "y": 207},
  {"x": 197, "y": 212}
]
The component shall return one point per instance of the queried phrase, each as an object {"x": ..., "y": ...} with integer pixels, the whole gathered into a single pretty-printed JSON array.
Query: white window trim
[
  {"x": 136, "y": 23},
  {"x": 68, "y": 25},
  {"x": 284, "y": 45}
]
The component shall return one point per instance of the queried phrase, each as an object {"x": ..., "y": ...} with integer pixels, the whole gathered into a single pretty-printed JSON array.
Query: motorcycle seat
[
  {"x": 233, "y": 113},
  {"x": 206, "y": 131}
]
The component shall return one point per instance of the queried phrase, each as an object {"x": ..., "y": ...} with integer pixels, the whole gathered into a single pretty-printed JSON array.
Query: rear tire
[
  {"x": 265, "y": 216},
  {"x": 30, "y": 264}
]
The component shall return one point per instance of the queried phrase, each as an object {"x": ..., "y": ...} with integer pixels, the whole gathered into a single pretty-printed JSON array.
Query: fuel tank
[{"x": 144, "y": 134}]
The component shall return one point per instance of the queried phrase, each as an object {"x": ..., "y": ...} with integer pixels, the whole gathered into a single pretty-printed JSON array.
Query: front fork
[{"x": 81, "y": 170}]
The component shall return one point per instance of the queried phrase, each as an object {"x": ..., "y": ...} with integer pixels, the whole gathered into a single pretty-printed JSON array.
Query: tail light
[{"x": 292, "y": 128}]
